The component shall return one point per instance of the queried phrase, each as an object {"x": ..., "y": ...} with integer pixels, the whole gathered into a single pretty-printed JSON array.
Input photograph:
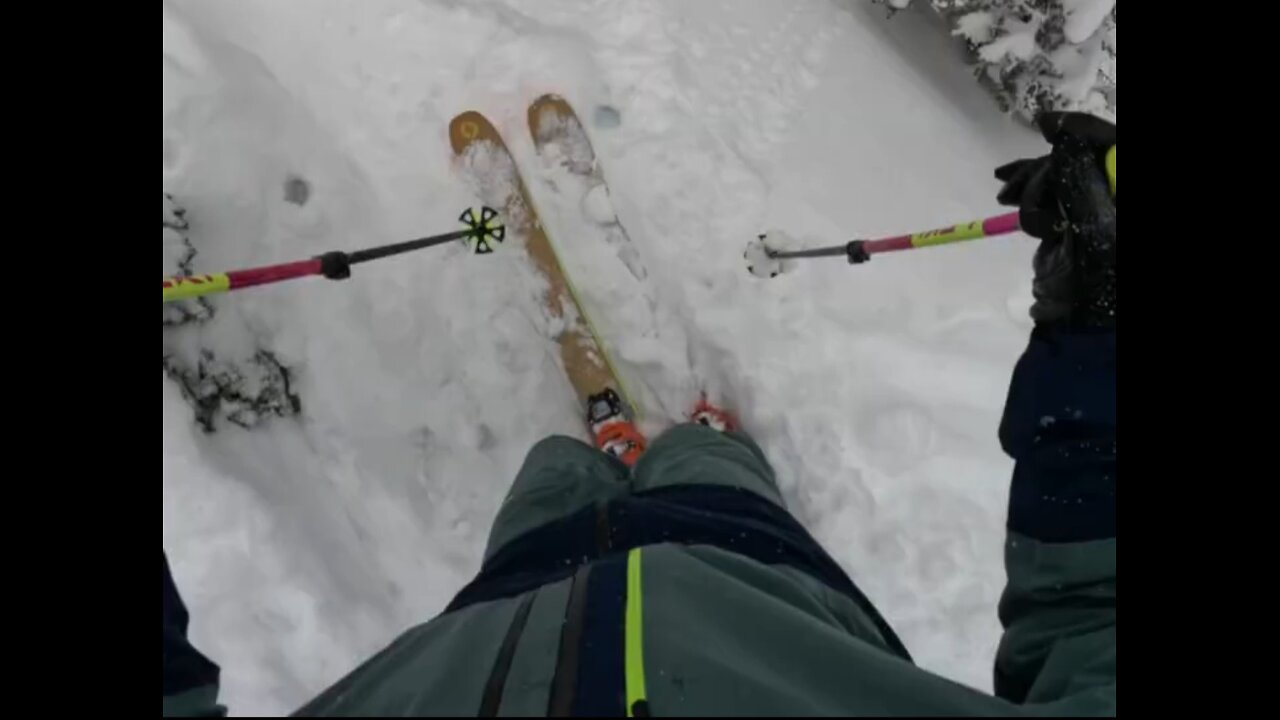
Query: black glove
[{"x": 1065, "y": 200}]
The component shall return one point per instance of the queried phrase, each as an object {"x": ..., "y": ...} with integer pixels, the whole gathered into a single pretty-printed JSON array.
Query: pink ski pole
[
  {"x": 765, "y": 261},
  {"x": 860, "y": 251}
]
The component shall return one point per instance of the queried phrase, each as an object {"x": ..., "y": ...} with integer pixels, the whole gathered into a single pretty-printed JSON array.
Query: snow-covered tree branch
[{"x": 1040, "y": 54}]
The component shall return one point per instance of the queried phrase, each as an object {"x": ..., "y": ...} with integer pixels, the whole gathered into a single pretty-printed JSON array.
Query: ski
[
  {"x": 561, "y": 141},
  {"x": 609, "y": 413},
  {"x": 559, "y": 137}
]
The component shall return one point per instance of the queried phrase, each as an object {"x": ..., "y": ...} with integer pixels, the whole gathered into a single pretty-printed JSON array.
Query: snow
[
  {"x": 597, "y": 206},
  {"x": 1084, "y": 17},
  {"x": 176, "y": 252},
  {"x": 977, "y": 27},
  {"x": 307, "y": 544},
  {"x": 1020, "y": 43}
]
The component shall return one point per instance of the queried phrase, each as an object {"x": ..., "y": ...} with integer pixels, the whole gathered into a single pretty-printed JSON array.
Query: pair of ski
[{"x": 610, "y": 411}]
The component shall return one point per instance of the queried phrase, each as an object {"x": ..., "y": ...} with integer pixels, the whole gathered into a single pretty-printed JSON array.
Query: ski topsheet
[{"x": 560, "y": 138}]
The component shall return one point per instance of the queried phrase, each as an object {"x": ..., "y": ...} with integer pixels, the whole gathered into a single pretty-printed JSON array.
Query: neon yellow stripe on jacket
[
  {"x": 1111, "y": 168},
  {"x": 634, "y": 633}
]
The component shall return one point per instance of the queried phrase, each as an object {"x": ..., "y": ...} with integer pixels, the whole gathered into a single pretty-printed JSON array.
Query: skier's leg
[
  {"x": 694, "y": 454},
  {"x": 560, "y": 476}
]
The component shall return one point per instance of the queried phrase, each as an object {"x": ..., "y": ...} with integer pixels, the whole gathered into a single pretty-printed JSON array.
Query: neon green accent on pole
[
  {"x": 1111, "y": 168},
  {"x": 963, "y": 231},
  {"x": 635, "y": 633},
  {"x": 184, "y": 288}
]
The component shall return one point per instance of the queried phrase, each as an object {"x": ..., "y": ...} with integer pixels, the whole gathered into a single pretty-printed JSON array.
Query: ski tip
[
  {"x": 549, "y": 99},
  {"x": 468, "y": 127},
  {"x": 547, "y": 115}
]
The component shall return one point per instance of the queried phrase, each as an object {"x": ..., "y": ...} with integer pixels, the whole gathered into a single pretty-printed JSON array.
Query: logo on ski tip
[{"x": 486, "y": 229}]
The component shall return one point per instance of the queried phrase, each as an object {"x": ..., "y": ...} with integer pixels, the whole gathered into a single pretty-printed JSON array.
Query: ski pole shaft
[
  {"x": 360, "y": 256},
  {"x": 988, "y": 227},
  {"x": 859, "y": 251},
  {"x": 185, "y": 288}
]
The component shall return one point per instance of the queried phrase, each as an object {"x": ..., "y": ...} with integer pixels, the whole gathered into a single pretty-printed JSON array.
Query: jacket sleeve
[
  {"x": 190, "y": 679},
  {"x": 1059, "y": 606}
]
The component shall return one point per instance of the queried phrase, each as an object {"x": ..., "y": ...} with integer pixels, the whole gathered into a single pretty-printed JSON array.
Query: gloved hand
[{"x": 1064, "y": 199}]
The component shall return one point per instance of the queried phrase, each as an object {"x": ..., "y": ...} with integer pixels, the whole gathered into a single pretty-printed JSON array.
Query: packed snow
[{"x": 296, "y": 127}]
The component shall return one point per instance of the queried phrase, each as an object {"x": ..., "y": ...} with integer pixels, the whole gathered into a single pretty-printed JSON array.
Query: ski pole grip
[{"x": 1111, "y": 169}]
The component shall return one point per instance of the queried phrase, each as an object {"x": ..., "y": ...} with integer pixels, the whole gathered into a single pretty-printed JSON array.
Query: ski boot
[
  {"x": 612, "y": 428},
  {"x": 704, "y": 413}
]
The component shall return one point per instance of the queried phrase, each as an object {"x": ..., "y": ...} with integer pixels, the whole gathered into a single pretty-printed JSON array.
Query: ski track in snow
[{"x": 306, "y": 545}]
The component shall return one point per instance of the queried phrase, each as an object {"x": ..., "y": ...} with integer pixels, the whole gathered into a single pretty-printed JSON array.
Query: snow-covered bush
[
  {"x": 1040, "y": 54},
  {"x": 178, "y": 254},
  {"x": 242, "y": 387},
  {"x": 244, "y": 391}
]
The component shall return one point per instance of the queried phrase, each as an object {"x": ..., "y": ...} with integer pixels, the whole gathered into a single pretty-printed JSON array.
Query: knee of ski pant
[
  {"x": 560, "y": 476},
  {"x": 693, "y": 454}
]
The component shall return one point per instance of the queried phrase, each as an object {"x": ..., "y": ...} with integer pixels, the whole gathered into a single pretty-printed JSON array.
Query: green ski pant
[{"x": 561, "y": 475}]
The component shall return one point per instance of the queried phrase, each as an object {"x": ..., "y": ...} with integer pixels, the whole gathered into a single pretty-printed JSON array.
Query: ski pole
[
  {"x": 336, "y": 265},
  {"x": 765, "y": 256}
]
